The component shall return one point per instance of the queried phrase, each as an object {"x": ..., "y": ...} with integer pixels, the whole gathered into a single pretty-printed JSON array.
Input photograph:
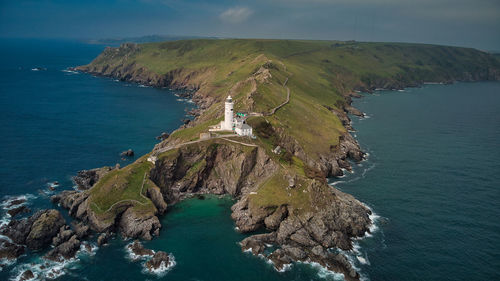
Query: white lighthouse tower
[{"x": 228, "y": 114}]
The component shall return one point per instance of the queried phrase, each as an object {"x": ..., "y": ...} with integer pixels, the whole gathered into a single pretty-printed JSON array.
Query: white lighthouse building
[
  {"x": 231, "y": 123},
  {"x": 227, "y": 124}
]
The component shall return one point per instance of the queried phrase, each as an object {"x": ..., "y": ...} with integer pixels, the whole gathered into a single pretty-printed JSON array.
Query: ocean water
[{"x": 432, "y": 176}]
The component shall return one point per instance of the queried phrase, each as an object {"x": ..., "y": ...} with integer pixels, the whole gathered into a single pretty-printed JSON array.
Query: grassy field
[
  {"x": 123, "y": 185},
  {"x": 320, "y": 75}
]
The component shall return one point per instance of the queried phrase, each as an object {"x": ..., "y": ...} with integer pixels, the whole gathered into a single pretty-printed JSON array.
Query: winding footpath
[
  {"x": 127, "y": 200},
  {"x": 285, "y": 102},
  {"x": 223, "y": 137}
]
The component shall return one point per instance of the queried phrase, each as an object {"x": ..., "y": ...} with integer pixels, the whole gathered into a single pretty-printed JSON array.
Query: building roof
[{"x": 243, "y": 127}]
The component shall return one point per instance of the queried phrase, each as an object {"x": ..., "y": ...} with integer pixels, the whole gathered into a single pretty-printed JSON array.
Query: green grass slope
[{"x": 319, "y": 75}]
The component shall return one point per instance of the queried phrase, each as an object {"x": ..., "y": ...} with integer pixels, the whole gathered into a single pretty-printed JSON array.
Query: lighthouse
[{"x": 228, "y": 114}]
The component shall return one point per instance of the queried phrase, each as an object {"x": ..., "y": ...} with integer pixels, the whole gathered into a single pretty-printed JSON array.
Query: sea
[{"x": 431, "y": 177}]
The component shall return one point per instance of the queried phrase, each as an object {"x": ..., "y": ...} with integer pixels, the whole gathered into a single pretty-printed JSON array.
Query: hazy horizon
[{"x": 445, "y": 22}]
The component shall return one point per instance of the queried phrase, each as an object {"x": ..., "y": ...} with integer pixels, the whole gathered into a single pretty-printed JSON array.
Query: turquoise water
[{"x": 432, "y": 176}]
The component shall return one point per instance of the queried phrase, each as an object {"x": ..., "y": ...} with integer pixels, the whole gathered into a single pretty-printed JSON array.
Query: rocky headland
[{"x": 282, "y": 193}]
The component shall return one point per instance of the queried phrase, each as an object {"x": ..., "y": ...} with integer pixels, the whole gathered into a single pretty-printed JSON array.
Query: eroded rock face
[
  {"x": 156, "y": 197},
  {"x": 85, "y": 179},
  {"x": 128, "y": 222},
  {"x": 222, "y": 169},
  {"x": 303, "y": 236},
  {"x": 136, "y": 225},
  {"x": 44, "y": 228},
  {"x": 36, "y": 231},
  {"x": 65, "y": 250}
]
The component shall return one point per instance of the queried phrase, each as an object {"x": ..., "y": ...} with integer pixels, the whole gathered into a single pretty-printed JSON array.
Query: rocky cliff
[{"x": 283, "y": 192}]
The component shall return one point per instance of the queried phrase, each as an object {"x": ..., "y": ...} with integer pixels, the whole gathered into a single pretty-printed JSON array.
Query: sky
[{"x": 469, "y": 23}]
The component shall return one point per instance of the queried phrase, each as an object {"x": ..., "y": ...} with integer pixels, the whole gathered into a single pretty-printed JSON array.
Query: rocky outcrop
[
  {"x": 132, "y": 224},
  {"x": 44, "y": 228},
  {"x": 138, "y": 249},
  {"x": 218, "y": 168},
  {"x": 9, "y": 250},
  {"x": 127, "y": 153},
  {"x": 160, "y": 259},
  {"x": 127, "y": 221},
  {"x": 36, "y": 231},
  {"x": 222, "y": 168},
  {"x": 163, "y": 136},
  {"x": 85, "y": 179},
  {"x": 65, "y": 250},
  {"x": 154, "y": 193},
  {"x": 308, "y": 236},
  {"x": 102, "y": 239},
  {"x": 18, "y": 210}
]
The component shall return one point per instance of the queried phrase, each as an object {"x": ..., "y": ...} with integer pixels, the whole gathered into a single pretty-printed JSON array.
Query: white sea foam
[
  {"x": 324, "y": 273},
  {"x": 143, "y": 86},
  {"x": 70, "y": 71},
  {"x": 43, "y": 270},
  {"x": 9, "y": 199},
  {"x": 132, "y": 256},
  {"x": 90, "y": 250},
  {"x": 163, "y": 268},
  {"x": 285, "y": 267}
]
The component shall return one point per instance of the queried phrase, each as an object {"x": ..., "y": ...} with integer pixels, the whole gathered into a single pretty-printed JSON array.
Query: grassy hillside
[{"x": 320, "y": 76}]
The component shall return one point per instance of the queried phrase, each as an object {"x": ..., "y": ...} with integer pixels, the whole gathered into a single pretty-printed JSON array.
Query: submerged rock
[
  {"x": 163, "y": 136},
  {"x": 27, "y": 275},
  {"x": 18, "y": 210},
  {"x": 10, "y": 251},
  {"x": 127, "y": 153},
  {"x": 15, "y": 202}
]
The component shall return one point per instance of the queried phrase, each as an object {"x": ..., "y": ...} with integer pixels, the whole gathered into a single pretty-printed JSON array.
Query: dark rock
[
  {"x": 273, "y": 221},
  {"x": 257, "y": 243},
  {"x": 127, "y": 153},
  {"x": 279, "y": 259},
  {"x": 27, "y": 275},
  {"x": 186, "y": 121},
  {"x": 85, "y": 179},
  {"x": 295, "y": 253},
  {"x": 10, "y": 250},
  {"x": 81, "y": 230},
  {"x": 137, "y": 225},
  {"x": 163, "y": 136},
  {"x": 64, "y": 234},
  {"x": 16, "y": 202},
  {"x": 158, "y": 259},
  {"x": 44, "y": 229},
  {"x": 18, "y": 210},
  {"x": 36, "y": 231},
  {"x": 66, "y": 250},
  {"x": 102, "y": 239},
  {"x": 138, "y": 249}
]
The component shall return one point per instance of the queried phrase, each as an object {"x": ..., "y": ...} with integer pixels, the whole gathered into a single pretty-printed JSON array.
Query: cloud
[{"x": 236, "y": 15}]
